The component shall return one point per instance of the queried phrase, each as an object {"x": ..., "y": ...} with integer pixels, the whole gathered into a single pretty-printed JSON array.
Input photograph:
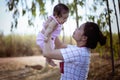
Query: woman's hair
[
  {"x": 60, "y": 9},
  {"x": 94, "y": 35}
]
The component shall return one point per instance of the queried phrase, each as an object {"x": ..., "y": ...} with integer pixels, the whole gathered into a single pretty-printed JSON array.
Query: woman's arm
[
  {"x": 59, "y": 44},
  {"x": 51, "y": 53}
]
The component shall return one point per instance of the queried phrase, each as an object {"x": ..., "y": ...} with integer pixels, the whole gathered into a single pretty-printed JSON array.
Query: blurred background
[{"x": 21, "y": 20}]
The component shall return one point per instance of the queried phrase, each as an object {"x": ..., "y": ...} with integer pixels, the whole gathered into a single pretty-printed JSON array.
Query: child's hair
[
  {"x": 94, "y": 35},
  {"x": 60, "y": 9}
]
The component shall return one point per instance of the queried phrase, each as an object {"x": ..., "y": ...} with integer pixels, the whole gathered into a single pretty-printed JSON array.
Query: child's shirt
[{"x": 55, "y": 33}]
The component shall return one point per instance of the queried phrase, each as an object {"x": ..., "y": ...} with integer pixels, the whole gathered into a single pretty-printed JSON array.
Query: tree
[
  {"x": 117, "y": 27},
  {"x": 21, "y": 7},
  {"x": 76, "y": 11},
  {"x": 111, "y": 45},
  {"x": 119, "y": 5}
]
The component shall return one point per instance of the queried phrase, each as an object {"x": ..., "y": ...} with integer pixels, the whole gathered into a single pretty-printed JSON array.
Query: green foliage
[
  {"x": 72, "y": 7},
  {"x": 81, "y": 3},
  {"x": 13, "y": 6},
  {"x": 33, "y": 9},
  {"x": 101, "y": 18},
  {"x": 105, "y": 50}
]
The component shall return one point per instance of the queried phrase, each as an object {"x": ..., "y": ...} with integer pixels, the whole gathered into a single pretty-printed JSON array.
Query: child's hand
[
  {"x": 49, "y": 19},
  {"x": 50, "y": 62},
  {"x": 60, "y": 20},
  {"x": 46, "y": 39}
]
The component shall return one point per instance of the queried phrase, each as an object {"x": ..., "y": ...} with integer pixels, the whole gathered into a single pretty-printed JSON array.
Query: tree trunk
[
  {"x": 119, "y": 5},
  {"x": 76, "y": 12},
  {"x": 111, "y": 46},
  {"x": 117, "y": 27},
  {"x": 59, "y": 1}
]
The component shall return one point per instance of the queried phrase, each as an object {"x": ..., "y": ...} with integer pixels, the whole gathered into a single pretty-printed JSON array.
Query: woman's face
[{"x": 79, "y": 33}]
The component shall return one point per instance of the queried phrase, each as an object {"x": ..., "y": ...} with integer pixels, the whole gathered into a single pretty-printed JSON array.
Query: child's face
[{"x": 62, "y": 19}]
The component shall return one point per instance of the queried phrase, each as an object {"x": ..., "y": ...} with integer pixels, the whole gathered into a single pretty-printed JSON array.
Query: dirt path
[
  {"x": 100, "y": 69},
  {"x": 29, "y": 60},
  {"x": 15, "y": 68}
]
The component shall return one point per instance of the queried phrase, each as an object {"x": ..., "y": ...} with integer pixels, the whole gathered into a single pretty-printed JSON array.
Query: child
[{"x": 53, "y": 26}]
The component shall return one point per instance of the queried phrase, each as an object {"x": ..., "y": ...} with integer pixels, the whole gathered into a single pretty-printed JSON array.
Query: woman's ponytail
[
  {"x": 102, "y": 38},
  {"x": 94, "y": 35}
]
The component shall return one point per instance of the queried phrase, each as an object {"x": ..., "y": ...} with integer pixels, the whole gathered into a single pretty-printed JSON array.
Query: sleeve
[{"x": 70, "y": 54}]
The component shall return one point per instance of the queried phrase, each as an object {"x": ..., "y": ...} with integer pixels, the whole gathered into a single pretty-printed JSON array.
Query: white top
[
  {"x": 76, "y": 63},
  {"x": 55, "y": 33}
]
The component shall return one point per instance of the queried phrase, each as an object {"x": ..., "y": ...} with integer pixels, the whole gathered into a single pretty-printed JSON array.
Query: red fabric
[{"x": 62, "y": 67}]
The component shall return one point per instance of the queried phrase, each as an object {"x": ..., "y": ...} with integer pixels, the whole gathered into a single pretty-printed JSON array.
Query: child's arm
[{"x": 50, "y": 28}]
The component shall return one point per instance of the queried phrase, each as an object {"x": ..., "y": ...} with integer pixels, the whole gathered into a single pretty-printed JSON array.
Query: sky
[{"x": 23, "y": 27}]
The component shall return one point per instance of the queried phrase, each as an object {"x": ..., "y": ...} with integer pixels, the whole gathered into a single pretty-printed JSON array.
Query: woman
[{"x": 76, "y": 58}]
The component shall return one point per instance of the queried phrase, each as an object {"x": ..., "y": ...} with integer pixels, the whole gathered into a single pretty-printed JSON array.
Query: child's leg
[{"x": 50, "y": 62}]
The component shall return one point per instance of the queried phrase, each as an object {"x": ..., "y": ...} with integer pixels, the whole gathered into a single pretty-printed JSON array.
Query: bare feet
[{"x": 50, "y": 62}]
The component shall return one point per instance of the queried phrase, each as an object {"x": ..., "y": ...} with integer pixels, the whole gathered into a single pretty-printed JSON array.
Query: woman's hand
[{"x": 51, "y": 53}]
